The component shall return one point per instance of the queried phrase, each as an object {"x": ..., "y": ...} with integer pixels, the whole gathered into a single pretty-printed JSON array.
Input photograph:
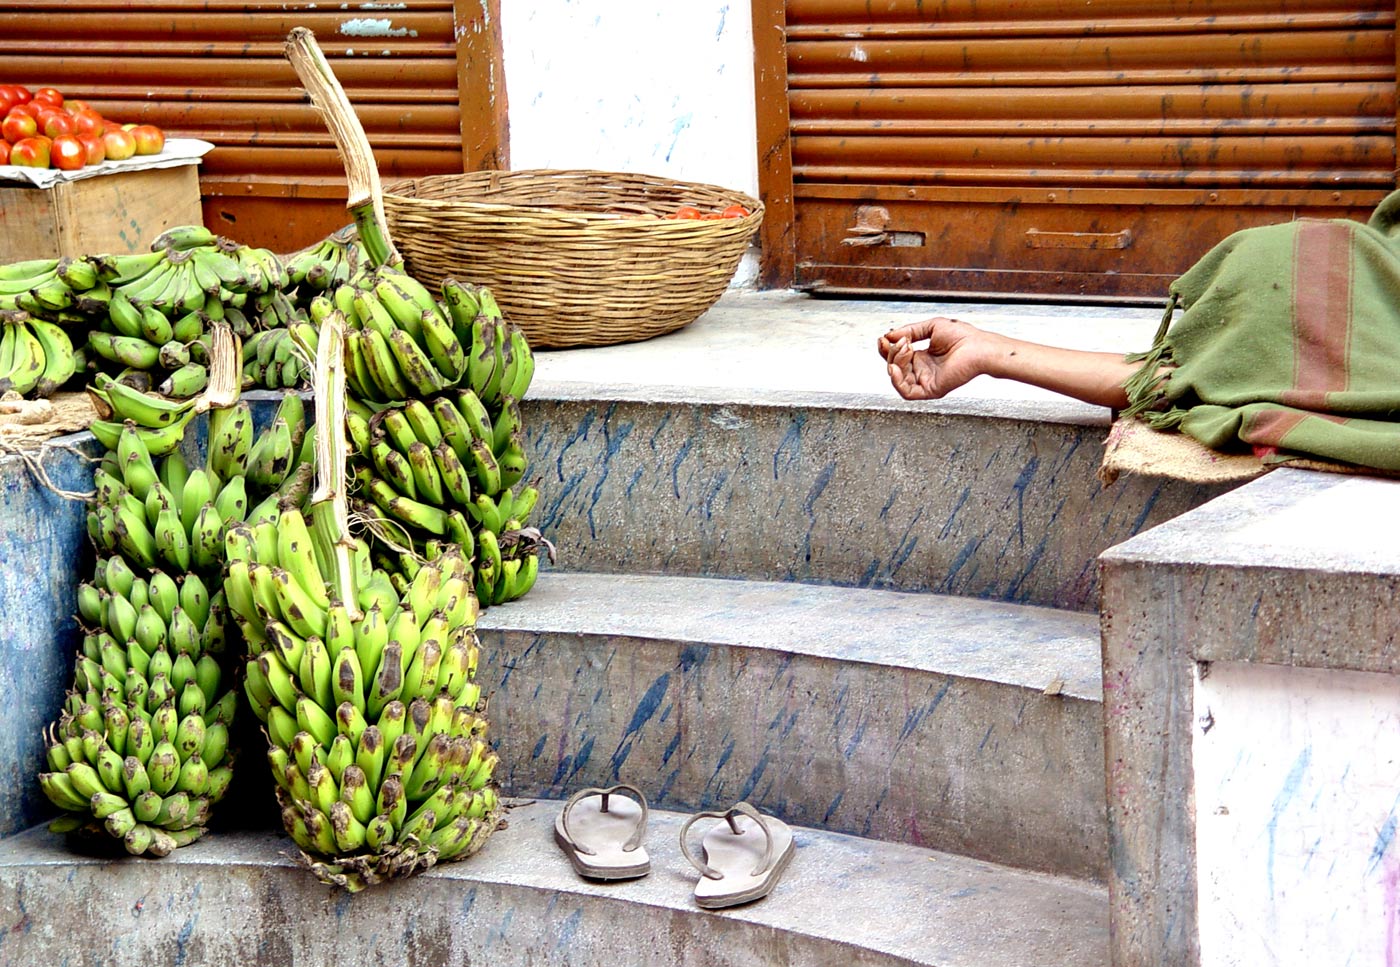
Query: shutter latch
[{"x": 871, "y": 230}]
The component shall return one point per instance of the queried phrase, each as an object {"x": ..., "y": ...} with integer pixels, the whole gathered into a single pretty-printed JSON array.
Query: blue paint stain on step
[{"x": 641, "y": 715}]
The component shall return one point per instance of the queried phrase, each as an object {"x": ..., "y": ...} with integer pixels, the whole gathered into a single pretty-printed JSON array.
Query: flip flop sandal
[
  {"x": 743, "y": 860},
  {"x": 601, "y": 833}
]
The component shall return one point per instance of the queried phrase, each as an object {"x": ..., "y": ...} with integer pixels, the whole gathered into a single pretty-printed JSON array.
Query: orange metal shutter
[
  {"x": 1074, "y": 149},
  {"x": 215, "y": 69}
]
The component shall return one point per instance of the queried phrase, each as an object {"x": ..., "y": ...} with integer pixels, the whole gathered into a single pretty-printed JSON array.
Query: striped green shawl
[{"x": 1288, "y": 342}]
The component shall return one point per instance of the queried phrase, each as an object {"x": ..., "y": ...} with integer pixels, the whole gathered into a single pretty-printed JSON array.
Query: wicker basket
[{"x": 576, "y": 258}]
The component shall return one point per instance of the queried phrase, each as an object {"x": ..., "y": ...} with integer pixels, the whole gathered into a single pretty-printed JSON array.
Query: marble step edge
[
  {"x": 1028, "y": 646},
  {"x": 864, "y": 901}
]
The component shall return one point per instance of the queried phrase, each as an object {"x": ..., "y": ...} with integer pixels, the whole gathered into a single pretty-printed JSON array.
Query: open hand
[{"x": 950, "y": 359}]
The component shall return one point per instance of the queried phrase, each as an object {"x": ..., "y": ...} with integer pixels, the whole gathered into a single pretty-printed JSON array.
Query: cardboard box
[{"x": 113, "y": 213}]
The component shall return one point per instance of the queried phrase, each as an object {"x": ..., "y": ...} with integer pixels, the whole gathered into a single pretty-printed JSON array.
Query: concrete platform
[
  {"x": 951, "y": 723},
  {"x": 240, "y": 899},
  {"x": 1295, "y": 571}
]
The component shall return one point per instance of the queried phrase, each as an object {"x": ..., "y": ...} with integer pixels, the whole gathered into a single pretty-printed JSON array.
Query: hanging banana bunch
[
  {"x": 140, "y": 750},
  {"x": 368, "y": 695},
  {"x": 434, "y": 414}
]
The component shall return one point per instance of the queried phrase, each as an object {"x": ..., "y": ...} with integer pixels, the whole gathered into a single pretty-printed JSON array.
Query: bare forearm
[{"x": 1092, "y": 377}]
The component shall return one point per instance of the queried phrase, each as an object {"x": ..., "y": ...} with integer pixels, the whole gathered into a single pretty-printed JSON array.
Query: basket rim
[{"x": 755, "y": 206}]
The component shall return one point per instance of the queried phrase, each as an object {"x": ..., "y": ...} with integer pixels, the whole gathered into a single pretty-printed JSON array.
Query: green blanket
[{"x": 1288, "y": 342}]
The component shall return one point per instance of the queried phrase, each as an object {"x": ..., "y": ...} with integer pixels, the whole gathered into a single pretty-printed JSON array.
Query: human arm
[{"x": 956, "y": 352}]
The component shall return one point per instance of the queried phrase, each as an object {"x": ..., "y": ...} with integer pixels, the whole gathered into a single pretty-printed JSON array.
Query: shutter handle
[
  {"x": 869, "y": 228},
  {"x": 1035, "y": 238}
]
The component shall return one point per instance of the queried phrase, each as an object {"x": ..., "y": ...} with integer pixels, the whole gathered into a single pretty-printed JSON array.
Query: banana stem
[
  {"x": 225, "y": 370},
  {"x": 330, "y": 505},
  {"x": 361, "y": 174},
  {"x": 373, "y": 237}
]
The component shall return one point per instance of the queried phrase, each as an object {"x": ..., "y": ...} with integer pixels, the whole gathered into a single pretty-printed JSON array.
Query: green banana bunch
[
  {"x": 124, "y": 402},
  {"x": 448, "y": 470},
  {"x": 334, "y": 261},
  {"x": 262, "y": 269},
  {"x": 374, "y": 736},
  {"x": 152, "y": 312},
  {"x": 140, "y": 751},
  {"x": 403, "y": 343},
  {"x": 277, "y": 359},
  {"x": 52, "y": 289},
  {"x": 276, "y": 454},
  {"x": 36, "y": 355},
  {"x": 500, "y": 362}
]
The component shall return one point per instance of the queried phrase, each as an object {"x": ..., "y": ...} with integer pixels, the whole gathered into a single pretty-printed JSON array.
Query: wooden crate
[{"x": 113, "y": 213}]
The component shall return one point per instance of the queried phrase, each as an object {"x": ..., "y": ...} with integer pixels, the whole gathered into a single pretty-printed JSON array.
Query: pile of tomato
[
  {"x": 690, "y": 211},
  {"x": 42, "y": 129}
]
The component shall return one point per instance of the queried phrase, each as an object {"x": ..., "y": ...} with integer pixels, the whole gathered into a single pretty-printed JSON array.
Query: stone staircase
[{"x": 779, "y": 583}]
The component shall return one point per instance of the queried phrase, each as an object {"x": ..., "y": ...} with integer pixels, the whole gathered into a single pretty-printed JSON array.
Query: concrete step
[
  {"x": 241, "y": 898},
  {"x": 764, "y": 442},
  {"x": 952, "y": 723}
]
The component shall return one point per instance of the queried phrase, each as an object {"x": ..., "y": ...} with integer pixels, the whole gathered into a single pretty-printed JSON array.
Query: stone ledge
[
  {"x": 790, "y": 349},
  {"x": 239, "y": 898},
  {"x": 1024, "y": 646},
  {"x": 1296, "y": 568}
]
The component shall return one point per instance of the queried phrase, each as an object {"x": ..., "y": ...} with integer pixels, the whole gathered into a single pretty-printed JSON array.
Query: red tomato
[
  {"x": 735, "y": 211},
  {"x": 4, "y": 152},
  {"x": 50, "y": 94},
  {"x": 95, "y": 147},
  {"x": 17, "y": 126},
  {"x": 30, "y": 153},
  {"x": 32, "y": 108},
  {"x": 21, "y": 92},
  {"x": 686, "y": 211},
  {"x": 120, "y": 144},
  {"x": 56, "y": 123},
  {"x": 68, "y": 153},
  {"x": 73, "y": 106},
  {"x": 88, "y": 123},
  {"x": 149, "y": 138}
]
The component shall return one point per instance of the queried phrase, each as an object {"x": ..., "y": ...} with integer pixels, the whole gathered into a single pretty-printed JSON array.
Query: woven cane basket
[{"x": 575, "y": 258}]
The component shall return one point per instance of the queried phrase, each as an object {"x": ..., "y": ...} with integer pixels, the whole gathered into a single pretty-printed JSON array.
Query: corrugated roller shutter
[
  {"x": 1253, "y": 109},
  {"x": 215, "y": 69}
]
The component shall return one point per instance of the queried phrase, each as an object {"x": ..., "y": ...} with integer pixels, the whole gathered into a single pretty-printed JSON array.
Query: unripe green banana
[
  {"x": 206, "y": 540},
  {"x": 312, "y": 718},
  {"x": 163, "y": 767},
  {"x": 340, "y": 756},
  {"x": 146, "y": 807},
  {"x": 230, "y": 441},
  {"x": 232, "y": 499}
]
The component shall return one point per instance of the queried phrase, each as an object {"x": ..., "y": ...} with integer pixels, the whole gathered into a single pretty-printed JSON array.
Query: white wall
[
  {"x": 659, "y": 88},
  {"x": 1297, "y": 803}
]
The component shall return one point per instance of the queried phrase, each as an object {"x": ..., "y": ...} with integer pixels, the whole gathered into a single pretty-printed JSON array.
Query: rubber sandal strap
[
  {"x": 743, "y": 808},
  {"x": 705, "y": 869},
  {"x": 633, "y": 841},
  {"x": 728, "y": 815}
]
